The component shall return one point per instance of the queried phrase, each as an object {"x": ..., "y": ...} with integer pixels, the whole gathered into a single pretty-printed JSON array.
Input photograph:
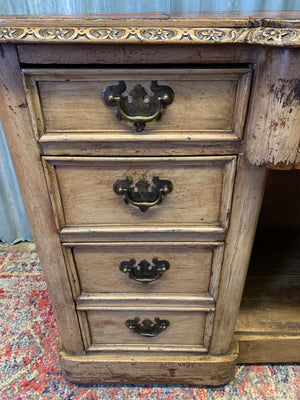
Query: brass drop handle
[
  {"x": 141, "y": 108},
  {"x": 147, "y": 327},
  {"x": 144, "y": 272},
  {"x": 140, "y": 195}
]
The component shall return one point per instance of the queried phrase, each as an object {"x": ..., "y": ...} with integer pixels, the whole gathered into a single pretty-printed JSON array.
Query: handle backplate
[
  {"x": 144, "y": 272},
  {"x": 140, "y": 108},
  {"x": 147, "y": 327},
  {"x": 141, "y": 195}
]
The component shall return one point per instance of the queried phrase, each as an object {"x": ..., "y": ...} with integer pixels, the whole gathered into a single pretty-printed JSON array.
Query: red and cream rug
[{"x": 29, "y": 366}]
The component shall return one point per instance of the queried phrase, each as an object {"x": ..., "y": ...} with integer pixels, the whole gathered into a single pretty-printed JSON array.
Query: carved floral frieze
[{"x": 264, "y": 36}]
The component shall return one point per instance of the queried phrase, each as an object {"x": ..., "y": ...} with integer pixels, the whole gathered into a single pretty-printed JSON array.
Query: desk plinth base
[{"x": 149, "y": 369}]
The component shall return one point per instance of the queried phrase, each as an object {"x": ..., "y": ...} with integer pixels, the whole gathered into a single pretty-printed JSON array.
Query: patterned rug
[{"x": 29, "y": 366}]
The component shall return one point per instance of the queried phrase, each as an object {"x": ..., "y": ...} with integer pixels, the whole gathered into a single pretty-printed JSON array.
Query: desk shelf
[{"x": 268, "y": 325}]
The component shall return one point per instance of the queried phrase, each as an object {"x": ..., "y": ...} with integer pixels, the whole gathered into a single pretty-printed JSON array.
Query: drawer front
[
  {"x": 208, "y": 104},
  {"x": 83, "y": 195},
  {"x": 175, "y": 330},
  {"x": 182, "y": 268}
]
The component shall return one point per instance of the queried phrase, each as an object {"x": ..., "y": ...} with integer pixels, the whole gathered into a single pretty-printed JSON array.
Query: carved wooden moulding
[{"x": 274, "y": 36}]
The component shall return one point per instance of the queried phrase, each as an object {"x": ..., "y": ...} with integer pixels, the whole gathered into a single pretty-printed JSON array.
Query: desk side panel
[{"x": 25, "y": 154}]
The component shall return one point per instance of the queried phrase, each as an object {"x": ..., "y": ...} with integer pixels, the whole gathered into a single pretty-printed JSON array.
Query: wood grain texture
[
  {"x": 17, "y": 126},
  {"x": 104, "y": 318},
  {"x": 115, "y": 54},
  {"x": 145, "y": 301},
  {"x": 201, "y": 196},
  {"x": 94, "y": 145},
  {"x": 273, "y": 131},
  {"x": 268, "y": 324},
  {"x": 270, "y": 305},
  {"x": 203, "y": 19},
  {"x": 163, "y": 233},
  {"x": 209, "y": 104},
  {"x": 95, "y": 267},
  {"x": 248, "y": 193},
  {"x": 108, "y": 327},
  {"x": 132, "y": 368},
  {"x": 272, "y": 348}
]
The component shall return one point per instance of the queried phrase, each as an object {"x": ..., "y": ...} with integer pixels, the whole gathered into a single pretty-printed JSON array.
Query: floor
[
  {"x": 17, "y": 246},
  {"x": 29, "y": 367}
]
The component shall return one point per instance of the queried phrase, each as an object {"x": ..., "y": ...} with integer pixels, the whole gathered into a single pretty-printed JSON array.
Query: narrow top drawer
[{"x": 68, "y": 105}]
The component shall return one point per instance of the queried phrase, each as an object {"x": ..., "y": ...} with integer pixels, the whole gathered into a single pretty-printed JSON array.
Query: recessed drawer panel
[
  {"x": 155, "y": 330},
  {"x": 208, "y": 104},
  {"x": 182, "y": 268},
  {"x": 141, "y": 192}
]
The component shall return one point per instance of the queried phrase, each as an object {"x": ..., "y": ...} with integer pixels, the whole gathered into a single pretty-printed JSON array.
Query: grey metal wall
[
  {"x": 13, "y": 221},
  {"x": 134, "y": 6}
]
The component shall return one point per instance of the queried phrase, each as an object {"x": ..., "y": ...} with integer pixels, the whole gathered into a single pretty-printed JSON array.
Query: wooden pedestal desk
[{"x": 141, "y": 145}]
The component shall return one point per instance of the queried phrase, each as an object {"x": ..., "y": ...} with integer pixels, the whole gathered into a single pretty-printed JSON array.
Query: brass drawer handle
[
  {"x": 144, "y": 271},
  {"x": 139, "y": 195},
  {"x": 142, "y": 108},
  {"x": 147, "y": 327}
]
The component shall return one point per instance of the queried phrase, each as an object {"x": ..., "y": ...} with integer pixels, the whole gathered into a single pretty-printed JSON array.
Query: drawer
[
  {"x": 182, "y": 268},
  {"x": 86, "y": 192},
  {"x": 67, "y": 105},
  {"x": 121, "y": 330}
]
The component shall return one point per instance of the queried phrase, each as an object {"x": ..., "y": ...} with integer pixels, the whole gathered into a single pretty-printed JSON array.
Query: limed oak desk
[{"x": 141, "y": 145}]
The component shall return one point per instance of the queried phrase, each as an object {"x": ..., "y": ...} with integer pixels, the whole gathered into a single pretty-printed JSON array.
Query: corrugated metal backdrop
[
  {"x": 135, "y": 6},
  {"x": 13, "y": 221}
]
